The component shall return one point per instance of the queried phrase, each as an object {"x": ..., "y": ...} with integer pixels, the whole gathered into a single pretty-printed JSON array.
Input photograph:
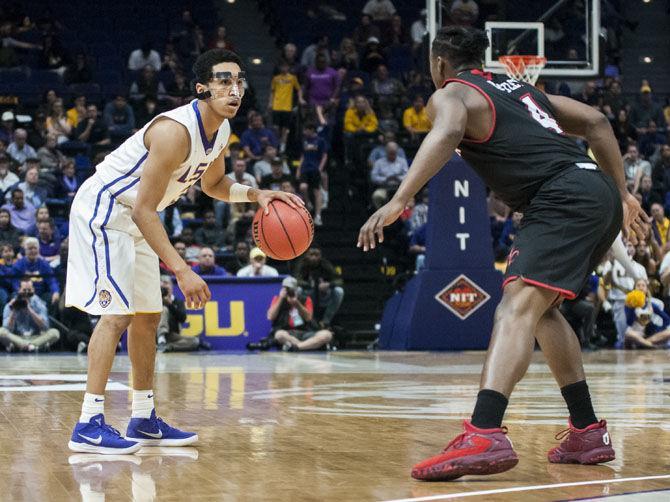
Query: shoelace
[
  {"x": 164, "y": 425},
  {"x": 461, "y": 437},
  {"x": 562, "y": 434},
  {"x": 111, "y": 429},
  {"x": 456, "y": 441}
]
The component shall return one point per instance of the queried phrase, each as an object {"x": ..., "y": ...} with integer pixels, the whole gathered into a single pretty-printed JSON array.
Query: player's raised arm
[
  {"x": 168, "y": 144},
  {"x": 582, "y": 120},
  {"x": 217, "y": 185},
  {"x": 449, "y": 115}
]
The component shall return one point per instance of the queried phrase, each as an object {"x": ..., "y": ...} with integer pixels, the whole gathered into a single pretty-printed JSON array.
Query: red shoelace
[{"x": 461, "y": 437}]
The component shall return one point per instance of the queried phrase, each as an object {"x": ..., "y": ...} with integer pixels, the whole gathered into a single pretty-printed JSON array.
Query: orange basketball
[{"x": 285, "y": 233}]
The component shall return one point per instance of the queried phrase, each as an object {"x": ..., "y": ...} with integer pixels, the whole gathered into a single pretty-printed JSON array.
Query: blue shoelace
[{"x": 161, "y": 422}]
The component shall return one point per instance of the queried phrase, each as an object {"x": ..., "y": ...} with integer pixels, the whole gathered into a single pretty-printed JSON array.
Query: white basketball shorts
[{"x": 111, "y": 269}]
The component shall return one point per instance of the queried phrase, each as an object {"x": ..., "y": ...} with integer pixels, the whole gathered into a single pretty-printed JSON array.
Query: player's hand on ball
[
  {"x": 373, "y": 230},
  {"x": 635, "y": 220},
  {"x": 196, "y": 292},
  {"x": 267, "y": 196}
]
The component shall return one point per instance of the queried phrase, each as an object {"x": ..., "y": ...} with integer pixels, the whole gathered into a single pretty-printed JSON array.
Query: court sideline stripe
[
  {"x": 598, "y": 497},
  {"x": 529, "y": 488}
]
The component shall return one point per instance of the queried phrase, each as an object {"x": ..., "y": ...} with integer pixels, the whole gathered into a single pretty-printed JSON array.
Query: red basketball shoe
[
  {"x": 591, "y": 445},
  {"x": 476, "y": 451}
]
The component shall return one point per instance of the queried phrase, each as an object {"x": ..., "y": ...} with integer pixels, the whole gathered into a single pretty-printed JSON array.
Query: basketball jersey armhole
[
  {"x": 158, "y": 118},
  {"x": 488, "y": 100}
]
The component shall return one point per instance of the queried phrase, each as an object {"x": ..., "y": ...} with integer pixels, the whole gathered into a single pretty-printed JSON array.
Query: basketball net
[{"x": 523, "y": 68}]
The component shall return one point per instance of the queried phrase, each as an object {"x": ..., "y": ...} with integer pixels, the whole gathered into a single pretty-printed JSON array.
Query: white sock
[
  {"x": 143, "y": 403},
  {"x": 94, "y": 404}
]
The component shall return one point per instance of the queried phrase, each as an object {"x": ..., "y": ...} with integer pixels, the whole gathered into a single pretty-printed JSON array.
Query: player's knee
[
  {"x": 281, "y": 335},
  {"x": 147, "y": 322},
  {"x": 522, "y": 302},
  {"x": 513, "y": 310},
  {"x": 115, "y": 324}
]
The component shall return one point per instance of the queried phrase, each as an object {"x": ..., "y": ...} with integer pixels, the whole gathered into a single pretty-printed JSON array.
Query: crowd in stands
[
  {"x": 356, "y": 103},
  {"x": 48, "y": 150}
]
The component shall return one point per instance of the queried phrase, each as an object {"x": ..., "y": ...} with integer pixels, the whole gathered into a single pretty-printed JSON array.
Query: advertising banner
[{"x": 236, "y": 314}]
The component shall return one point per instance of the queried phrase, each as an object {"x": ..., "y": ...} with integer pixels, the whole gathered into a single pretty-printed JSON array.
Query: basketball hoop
[{"x": 524, "y": 68}]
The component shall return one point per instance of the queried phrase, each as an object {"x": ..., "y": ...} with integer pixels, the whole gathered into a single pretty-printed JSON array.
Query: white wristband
[{"x": 239, "y": 193}]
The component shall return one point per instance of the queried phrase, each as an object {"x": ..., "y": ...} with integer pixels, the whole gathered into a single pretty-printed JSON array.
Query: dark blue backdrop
[{"x": 450, "y": 304}]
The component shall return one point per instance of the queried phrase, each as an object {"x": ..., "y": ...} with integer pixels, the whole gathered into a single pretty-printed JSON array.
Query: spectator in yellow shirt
[
  {"x": 661, "y": 225},
  {"x": 78, "y": 112},
  {"x": 415, "y": 120},
  {"x": 360, "y": 118},
  {"x": 234, "y": 139},
  {"x": 281, "y": 101},
  {"x": 360, "y": 123}
]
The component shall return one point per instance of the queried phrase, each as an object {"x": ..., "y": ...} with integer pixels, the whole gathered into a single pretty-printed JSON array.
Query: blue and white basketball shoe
[
  {"x": 153, "y": 431},
  {"x": 98, "y": 437}
]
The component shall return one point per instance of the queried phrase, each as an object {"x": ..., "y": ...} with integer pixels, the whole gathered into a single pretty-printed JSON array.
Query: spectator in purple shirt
[
  {"x": 207, "y": 265},
  {"x": 255, "y": 138},
  {"x": 68, "y": 184},
  {"x": 322, "y": 86},
  {"x": 48, "y": 240},
  {"x": 39, "y": 271},
  {"x": 22, "y": 212}
]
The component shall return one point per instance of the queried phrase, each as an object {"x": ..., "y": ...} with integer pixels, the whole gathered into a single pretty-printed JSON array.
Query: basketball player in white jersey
[{"x": 116, "y": 239}]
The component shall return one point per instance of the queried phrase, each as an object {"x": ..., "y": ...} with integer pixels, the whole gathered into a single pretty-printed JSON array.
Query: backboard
[{"x": 566, "y": 32}]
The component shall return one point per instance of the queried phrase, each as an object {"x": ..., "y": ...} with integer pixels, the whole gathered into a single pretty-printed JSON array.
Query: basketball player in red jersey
[{"x": 517, "y": 139}]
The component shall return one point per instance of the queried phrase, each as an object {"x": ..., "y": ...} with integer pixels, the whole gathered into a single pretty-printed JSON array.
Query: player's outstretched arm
[
  {"x": 168, "y": 144},
  {"x": 579, "y": 119},
  {"x": 449, "y": 117},
  {"x": 217, "y": 185}
]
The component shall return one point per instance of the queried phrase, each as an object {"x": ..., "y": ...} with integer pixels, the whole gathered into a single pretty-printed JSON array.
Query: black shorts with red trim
[{"x": 566, "y": 230}]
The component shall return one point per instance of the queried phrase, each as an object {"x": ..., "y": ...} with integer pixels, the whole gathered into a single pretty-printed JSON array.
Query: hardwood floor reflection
[{"x": 340, "y": 426}]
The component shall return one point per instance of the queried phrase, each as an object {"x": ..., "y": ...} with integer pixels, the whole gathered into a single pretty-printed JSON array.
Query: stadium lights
[
  {"x": 647, "y": 59},
  {"x": 256, "y": 61},
  {"x": 231, "y": 1}
]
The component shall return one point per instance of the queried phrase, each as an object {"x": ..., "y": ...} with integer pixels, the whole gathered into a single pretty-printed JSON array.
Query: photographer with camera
[
  {"x": 25, "y": 323},
  {"x": 292, "y": 320},
  {"x": 36, "y": 267},
  {"x": 168, "y": 335}
]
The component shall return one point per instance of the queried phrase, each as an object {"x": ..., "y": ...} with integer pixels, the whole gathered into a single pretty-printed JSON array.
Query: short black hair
[
  {"x": 461, "y": 46},
  {"x": 202, "y": 68}
]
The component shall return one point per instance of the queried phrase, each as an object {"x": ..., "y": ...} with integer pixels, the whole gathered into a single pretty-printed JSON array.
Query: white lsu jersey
[
  {"x": 111, "y": 267},
  {"x": 121, "y": 170}
]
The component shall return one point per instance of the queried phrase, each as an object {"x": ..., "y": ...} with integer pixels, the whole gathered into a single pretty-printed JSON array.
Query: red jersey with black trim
[{"x": 525, "y": 146}]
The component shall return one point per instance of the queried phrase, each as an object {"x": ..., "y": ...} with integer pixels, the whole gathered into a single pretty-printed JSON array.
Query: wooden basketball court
[{"x": 339, "y": 426}]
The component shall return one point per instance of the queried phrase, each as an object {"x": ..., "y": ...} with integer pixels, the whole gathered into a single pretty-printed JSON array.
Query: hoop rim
[
  {"x": 528, "y": 59},
  {"x": 526, "y": 68}
]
